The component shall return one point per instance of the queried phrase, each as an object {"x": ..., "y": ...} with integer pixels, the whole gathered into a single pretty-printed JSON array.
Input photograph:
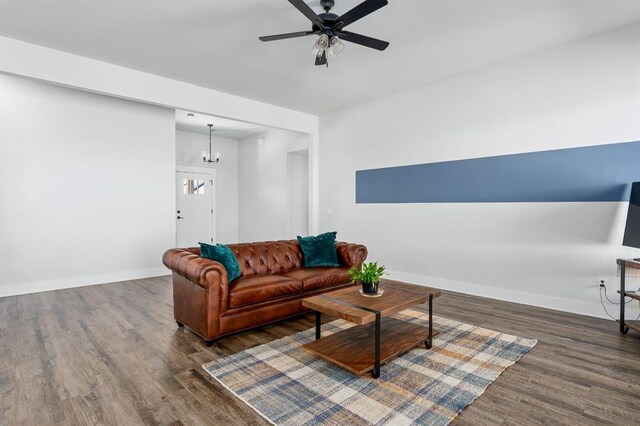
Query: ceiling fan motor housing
[{"x": 329, "y": 20}]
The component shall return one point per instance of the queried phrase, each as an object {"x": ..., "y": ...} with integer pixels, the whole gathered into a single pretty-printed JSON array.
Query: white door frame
[{"x": 212, "y": 176}]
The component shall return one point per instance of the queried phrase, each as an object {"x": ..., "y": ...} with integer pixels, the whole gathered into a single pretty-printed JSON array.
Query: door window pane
[{"x": 193, "y": 186}]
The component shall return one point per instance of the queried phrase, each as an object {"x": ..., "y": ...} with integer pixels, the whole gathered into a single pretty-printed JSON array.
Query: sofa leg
[
  {"x": 209, "y": 343},
  {"x": 180, "y": 324}
]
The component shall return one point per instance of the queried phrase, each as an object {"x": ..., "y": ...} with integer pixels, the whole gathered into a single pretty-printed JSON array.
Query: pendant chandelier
[{"x": 206, "y": 156}]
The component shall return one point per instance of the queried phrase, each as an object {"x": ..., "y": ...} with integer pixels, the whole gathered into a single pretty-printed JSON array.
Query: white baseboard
[
  {"x": 525, "y": 298},
  {"x": 72, "y": 282}
]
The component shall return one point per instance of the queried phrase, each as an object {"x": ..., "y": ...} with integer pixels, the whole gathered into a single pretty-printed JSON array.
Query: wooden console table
[{"x": 625, "y": 325}]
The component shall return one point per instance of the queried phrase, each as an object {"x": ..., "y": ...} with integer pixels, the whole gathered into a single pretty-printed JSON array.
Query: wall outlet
[
  {"x": 383, "y": 258},
  {"x": 601, "y": 283}
]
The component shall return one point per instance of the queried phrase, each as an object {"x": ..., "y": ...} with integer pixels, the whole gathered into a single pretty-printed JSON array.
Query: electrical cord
[{"x": 613, "y": 303}]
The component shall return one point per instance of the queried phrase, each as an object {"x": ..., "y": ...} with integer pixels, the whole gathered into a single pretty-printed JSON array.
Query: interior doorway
[
  {"x": 195, "y": 207},
  {"x": 262, "y": 183},
  {"x": 298, "y": 175}
]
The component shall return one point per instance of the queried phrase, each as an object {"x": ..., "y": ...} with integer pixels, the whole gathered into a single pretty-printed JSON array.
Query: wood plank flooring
[{"x": 112, "y": 354}]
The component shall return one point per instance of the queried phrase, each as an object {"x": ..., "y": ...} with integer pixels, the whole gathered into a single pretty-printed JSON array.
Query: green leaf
[{"x": 369, "y": 273}]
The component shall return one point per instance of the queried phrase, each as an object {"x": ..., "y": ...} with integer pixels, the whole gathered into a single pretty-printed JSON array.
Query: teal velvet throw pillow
[
  {"x": 223, "y": 254},
  {"x": 319, "y": 250}
]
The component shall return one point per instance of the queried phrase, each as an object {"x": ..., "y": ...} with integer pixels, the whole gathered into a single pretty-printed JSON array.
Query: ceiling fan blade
[
  {"x": 287, "y": 35},
  {"x": 359, "y": 12},
  {"x": 371, "y": 42},
  {"x": 307, "y": 11},
  {"x": 322, "y": 60}
]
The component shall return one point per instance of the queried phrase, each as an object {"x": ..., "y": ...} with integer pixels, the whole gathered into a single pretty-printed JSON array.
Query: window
[{"x": 193, "y": 186}]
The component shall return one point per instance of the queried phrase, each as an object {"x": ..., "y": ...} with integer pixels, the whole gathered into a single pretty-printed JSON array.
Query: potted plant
[{"x": 369, "y": 275}]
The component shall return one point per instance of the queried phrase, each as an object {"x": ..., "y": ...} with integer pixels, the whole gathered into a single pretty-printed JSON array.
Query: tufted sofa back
[{"x": 269, "y": 257}]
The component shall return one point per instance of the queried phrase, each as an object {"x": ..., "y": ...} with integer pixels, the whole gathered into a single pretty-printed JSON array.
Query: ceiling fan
[{"x": 330, "y": 28}]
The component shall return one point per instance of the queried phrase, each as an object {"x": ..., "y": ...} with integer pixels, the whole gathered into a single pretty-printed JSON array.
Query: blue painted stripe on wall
[{"x": 595, "y": 173}]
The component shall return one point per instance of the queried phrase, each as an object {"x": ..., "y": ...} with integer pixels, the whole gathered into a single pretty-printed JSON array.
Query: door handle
[{"x": 180, "y": 217}]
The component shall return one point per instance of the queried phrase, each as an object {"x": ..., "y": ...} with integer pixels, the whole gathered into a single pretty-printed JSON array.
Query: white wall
[
  {"x": 57, "y": 67},
  {"x": 189, "y": 146},
  {"x": 298, "y": 195},
  {"x": 86, "y": 187},
  {"x": 263, "y": 185},
  {"x": 547, "y": 254}
]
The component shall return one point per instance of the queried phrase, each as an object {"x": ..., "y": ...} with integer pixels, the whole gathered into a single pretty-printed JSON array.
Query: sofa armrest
[
  {"x": 200, "y": 291},
  {"x": 351, "y": 254},
  {"x": 201, "y": 271}
]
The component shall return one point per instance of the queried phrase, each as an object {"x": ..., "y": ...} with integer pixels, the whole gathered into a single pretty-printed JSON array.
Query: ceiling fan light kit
[
  {"x": 320, "y": 45},
  {"x": 329, "y": 28}
]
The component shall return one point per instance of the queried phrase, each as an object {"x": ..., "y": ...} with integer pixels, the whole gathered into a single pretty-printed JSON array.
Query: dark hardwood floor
[{"x": 112, "y": 354}]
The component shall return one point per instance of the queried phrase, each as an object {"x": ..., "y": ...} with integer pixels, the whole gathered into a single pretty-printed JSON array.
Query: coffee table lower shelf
[{"x": 353, "y": 348}]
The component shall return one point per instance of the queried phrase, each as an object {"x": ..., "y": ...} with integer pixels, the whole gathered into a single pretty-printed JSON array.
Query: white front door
[{"x": 194, "y": 209}]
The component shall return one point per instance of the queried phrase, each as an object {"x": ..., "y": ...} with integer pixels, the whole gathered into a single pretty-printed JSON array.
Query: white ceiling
[
  {"x": 224, "y": 127},
  {"x": 214, "y": 43}
]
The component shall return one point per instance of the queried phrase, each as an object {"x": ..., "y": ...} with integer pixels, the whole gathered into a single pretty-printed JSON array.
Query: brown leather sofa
[{"x": 271, "y": 287}]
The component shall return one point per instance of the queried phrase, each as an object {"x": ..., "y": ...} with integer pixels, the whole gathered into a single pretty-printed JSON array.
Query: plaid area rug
[{"x": 290, "y": 386}]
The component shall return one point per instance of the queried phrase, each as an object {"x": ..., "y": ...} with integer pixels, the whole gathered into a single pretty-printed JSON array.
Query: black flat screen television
[{"x": 632, "y": 230}]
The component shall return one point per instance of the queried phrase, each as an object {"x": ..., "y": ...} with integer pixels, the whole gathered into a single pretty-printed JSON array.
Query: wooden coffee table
[{"x": 377, "y": 338}]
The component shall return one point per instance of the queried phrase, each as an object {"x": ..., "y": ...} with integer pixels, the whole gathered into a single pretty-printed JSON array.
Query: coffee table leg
[
  {"x": 318, "y": 324},
  {"x": 376, "y": 366},
  {"x": 429, "y": 342}
]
